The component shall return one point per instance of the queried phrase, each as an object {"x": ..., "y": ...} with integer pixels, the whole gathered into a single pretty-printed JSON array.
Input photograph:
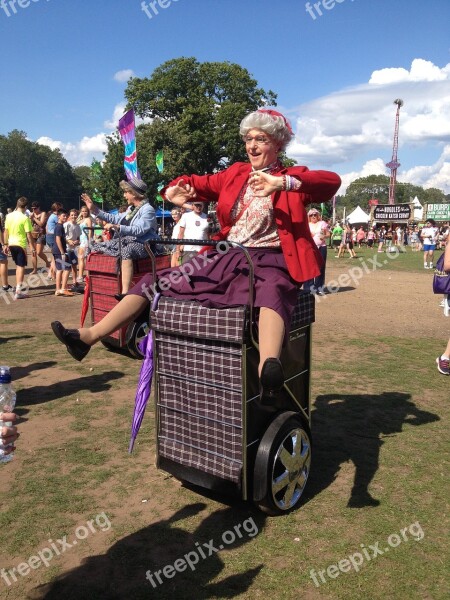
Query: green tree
[
  {"x": 35, "y": 171},
  {"x": 434, "y": 196},
  {"x": 195, "y": 109}
]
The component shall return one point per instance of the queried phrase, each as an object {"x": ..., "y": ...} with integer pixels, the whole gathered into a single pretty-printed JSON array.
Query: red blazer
[{"x": 300, "y": 252}]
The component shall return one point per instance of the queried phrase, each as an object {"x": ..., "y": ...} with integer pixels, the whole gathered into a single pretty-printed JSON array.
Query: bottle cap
[{"x": 5, "y": 374}]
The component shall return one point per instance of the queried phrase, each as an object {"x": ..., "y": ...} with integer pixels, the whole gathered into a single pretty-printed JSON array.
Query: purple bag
[{"x": 441, "y": 278}]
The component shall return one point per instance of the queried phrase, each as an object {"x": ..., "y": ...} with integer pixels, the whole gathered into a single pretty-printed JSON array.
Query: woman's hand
[
  {"x": 87, "y": 200},
  {"x": 111, "y": 227},
  {"x": 264, "y": 184},
  {"x": 8, "y": 435},
  {"x": 180, "y": 193}
]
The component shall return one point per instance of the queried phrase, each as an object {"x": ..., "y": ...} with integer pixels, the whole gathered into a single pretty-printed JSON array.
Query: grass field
[{"x": 372, "y": 524}]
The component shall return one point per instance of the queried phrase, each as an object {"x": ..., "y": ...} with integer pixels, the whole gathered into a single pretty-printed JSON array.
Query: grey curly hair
[{"x": 274, "y": 125}]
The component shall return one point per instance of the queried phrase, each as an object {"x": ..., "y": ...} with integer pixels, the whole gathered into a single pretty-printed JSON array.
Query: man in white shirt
[
  {"x": 429, "y": 235},
  {"x": 194, "y": 225}
]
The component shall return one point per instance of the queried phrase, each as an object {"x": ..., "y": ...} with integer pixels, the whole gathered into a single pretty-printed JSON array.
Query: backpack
[{"x": 441, "y": 278}]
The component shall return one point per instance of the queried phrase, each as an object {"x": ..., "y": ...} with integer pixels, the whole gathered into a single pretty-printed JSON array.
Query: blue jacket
[{"x": 142, "y": 226}]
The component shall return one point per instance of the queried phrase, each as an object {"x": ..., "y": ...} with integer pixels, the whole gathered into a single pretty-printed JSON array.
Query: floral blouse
[{"x": 256, "y": 227}]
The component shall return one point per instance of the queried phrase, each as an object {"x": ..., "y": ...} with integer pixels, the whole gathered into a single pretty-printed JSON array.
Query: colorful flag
[
  {"x": 127, "y": 133},
  {"x": 160, "y": 161}
]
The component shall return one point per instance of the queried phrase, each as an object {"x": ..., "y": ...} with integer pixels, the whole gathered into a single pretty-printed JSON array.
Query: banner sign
[
  {"x": 127, "y": 133},
  {"x": 392, "y": 212},
  {"x": 438, "y": 212}
]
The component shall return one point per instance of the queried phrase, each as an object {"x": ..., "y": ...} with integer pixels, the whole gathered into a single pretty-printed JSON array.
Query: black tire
[
  {"x": 282, "y": 464},
  {"x": 108, "y": 346},
  {"x": 136, "y": 332}
]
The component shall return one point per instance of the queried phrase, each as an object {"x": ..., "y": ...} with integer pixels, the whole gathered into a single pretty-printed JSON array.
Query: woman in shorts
[{"x": 38, "y": 219}]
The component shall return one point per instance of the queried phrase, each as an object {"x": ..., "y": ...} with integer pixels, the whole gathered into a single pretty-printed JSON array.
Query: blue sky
[{"x": 336, "y": 69}]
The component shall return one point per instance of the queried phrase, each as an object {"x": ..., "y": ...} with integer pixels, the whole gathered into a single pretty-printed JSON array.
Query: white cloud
[
  {"x": 124, "y": 75},
  {"x": 358, "y": 122},
  {"x": 371, "y": 167},
  {"x": 119, "y": 111},
  {"x": 421, "y": 70},
  {"x": 78, "y": 153},
  {"x": 436, "y": 175}
]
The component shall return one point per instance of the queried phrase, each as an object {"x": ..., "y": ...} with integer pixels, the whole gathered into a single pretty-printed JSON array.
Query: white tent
[
  {"x": 418, "y": 209},
  {"x": 358, "y": 216}
]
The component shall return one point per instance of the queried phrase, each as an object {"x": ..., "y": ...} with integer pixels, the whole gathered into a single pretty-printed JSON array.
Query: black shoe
[
  {"x": 272, "y": 380},
  {"x": 71, "y": 338},
  {"x": 7, "y": 288}
]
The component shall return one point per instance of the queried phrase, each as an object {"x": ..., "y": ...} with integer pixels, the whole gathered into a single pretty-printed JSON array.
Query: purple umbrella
[{"x": 144, "y": 384}]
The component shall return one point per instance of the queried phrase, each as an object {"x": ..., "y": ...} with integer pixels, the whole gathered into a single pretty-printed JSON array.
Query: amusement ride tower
[{"x": 394, "y": 164}]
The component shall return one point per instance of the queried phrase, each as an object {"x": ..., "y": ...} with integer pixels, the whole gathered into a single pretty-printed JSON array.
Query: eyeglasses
[
  {"x": 314, "y": 215},
  {"x": 259, "y": 140},
  {"x": 198, "y": 205}
]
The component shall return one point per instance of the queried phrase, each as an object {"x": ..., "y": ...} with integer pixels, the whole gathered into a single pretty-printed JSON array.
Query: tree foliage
[
  {"x": 35, "y": 171},
  {"x": 195, "y": 109}
]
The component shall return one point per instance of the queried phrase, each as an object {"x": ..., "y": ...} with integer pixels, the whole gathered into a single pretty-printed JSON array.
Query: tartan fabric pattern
[
  {"x": 191, "y": 457},
  {"x": 144, "y": 265},
  {"x": 199, "y": 369},
  {"x": 200, "y": 399},
  {"x": 194, "y": 320},
  {"x": 213, "y": 361},
  {"x": 104, "y": 284},
  {"x": 101, "y": 263},
  {"x": 304, "y": 312}
]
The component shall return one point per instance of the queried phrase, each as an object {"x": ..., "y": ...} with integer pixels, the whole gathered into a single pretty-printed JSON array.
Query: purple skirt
[{"x": 221, "y": 279}]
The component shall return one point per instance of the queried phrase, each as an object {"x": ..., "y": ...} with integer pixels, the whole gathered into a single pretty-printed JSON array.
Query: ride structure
[{"x": 394, "y": 164}]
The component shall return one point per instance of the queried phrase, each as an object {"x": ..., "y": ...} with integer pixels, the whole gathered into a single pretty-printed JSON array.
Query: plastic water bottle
[{"x": 7, "y": 404}]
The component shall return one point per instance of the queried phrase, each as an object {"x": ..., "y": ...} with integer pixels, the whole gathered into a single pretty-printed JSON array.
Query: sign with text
[
  {"x": 438, "y": 212},
  {"x": 392, "y": 212}
]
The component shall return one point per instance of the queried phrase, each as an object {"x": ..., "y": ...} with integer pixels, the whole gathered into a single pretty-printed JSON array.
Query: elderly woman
[
  {"x": 320, "y": 231},
  {"x": 261, "y": 205},
  {"x": 134, "y": 227}
]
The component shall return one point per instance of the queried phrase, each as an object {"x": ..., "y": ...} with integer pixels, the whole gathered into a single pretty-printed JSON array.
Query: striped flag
[{"x": 127, "y": 133}]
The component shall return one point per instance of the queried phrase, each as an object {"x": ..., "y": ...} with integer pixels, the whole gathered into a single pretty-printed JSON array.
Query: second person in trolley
[{"x": 260, "y": 205}]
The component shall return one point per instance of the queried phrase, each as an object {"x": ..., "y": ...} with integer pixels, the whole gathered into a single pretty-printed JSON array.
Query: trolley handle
[{"x": 213, "y": 244}]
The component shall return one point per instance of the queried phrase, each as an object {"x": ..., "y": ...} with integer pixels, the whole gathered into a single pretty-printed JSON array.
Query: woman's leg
[
  {"x": 81, "y": 261},
  {"x": 127, "y": 274},
  {"x": 34, "y": 262},
  {"x": 271, "y": 335},
  {"x": 320, "y": 281},
  {"x": 41, "y": 254},
  {"x": 124, "y": 312}
]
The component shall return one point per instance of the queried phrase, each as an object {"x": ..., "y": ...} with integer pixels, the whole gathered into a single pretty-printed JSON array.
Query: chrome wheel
[
  {"x": 290, "y": 470},
  {"x": 282, "y": 464}
]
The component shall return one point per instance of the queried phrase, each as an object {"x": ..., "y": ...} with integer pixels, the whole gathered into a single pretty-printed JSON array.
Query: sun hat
[{"x": 137, "y": 184}]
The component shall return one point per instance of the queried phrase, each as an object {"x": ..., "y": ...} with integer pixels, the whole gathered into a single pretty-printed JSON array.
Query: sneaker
[
  {"x": 443, "y": 365},
  {"x": 425, "y": 266},
  {"x": 80, "y": 279},
  {"x": 20, "y": 296},
  {"x": 431, "y": 265},
  {"x": 7, "y": 288}
]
